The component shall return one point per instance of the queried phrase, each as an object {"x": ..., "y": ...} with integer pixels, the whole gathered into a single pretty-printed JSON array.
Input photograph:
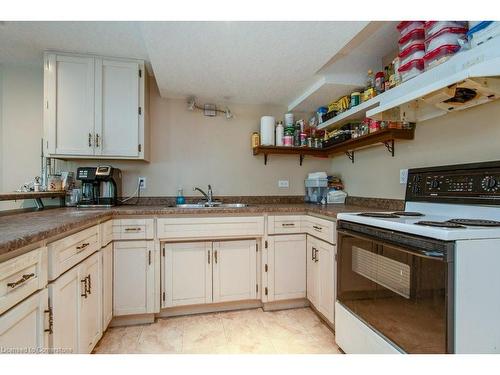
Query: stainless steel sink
[{"x": 217, "y": 205}]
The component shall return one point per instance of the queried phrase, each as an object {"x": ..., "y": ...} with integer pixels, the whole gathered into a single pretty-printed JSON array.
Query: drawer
[
  {"x": 71, "y": 250},
  {"x": 321, "y": 228},
  {"x": 210, "y": 227},
  {"x": 133, "y": 229},
  {"x": 106, "y": 231},
  {"x": 22, "y": 276},
  {"x": 284, "y": 224}
]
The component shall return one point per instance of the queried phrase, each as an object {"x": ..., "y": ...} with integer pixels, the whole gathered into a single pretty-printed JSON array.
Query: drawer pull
[
  {"x": 23, "y": 279},
  {"x": 83, "y": 246},
  {"x": 50, "y": 330},
  {"x": 319, "y": 229},
  {"x": 133, "y": 229},
  {"x": 288, "y": 224}
]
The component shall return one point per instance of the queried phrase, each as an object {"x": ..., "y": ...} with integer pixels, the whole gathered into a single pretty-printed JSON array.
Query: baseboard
[
  {"x": 286, "y": 304},
  {"x": 130, "y": 320},
  {"x": 209, "y": 308},
  {"x": 323, "y": 318}
]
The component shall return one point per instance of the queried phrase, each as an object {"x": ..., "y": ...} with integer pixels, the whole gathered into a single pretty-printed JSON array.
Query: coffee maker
[{"x": 101, "y": 186}]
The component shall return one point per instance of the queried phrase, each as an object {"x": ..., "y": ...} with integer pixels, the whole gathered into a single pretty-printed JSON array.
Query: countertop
[{"x": 18, "y": 230}]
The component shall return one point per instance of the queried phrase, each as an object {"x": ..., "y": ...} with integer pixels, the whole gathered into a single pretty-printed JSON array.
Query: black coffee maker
[{"x": 101, "y": 186}]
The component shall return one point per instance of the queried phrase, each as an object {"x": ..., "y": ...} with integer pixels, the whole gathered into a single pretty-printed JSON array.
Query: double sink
[{"x": 212, "y": 205}]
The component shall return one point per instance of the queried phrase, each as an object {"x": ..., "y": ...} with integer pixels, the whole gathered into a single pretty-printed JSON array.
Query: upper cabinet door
[
  {"x": 118, "y": 112},
  {"x": 69, "y": 104},
  {"x": 234, "y": 270}
]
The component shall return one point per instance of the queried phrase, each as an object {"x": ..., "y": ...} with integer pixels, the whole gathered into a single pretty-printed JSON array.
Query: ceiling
[{"x": 242, "y": 62}]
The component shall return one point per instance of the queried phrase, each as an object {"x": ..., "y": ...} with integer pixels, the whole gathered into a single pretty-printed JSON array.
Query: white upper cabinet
[{"x": 94, "y": 107}]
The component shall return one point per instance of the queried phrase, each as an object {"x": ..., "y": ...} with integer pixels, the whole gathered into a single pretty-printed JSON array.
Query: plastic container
[
  {"x": 316, "y": 190},
  {"x": 411, "y": 69},
  {"x": 446, "y": 36},
  {"x": 414, "y": 52},
  {"x": 405, "y": 27},
  {"x": 433, "y": 27},
  {"x": 439, "y": 55},
  {"x": 416, "y": 36}
]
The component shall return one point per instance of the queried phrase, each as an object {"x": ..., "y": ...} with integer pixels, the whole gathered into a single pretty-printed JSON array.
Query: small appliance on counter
[
  {"x": 101, "y": 186},
  {"x": 316, "y": 188}
]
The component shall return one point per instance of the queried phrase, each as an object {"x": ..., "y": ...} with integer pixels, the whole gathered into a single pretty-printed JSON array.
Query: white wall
[
  {"x": 21, "y": 113},
  {"x": 463, "y": 137}
]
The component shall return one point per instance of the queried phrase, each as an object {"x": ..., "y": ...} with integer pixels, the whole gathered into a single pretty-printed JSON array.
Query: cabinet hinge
[
  {"x": 140, "y": 110},
  {"x": 257, "y": 288},
  {"x": 140, "y": 73},
  {"x": 265, "y": 268},
  {"x": 139, "y": 147},
  {"x": 265, "y": 244},
  {"x": 265, "y": 290},
  {"x": 164, "y": 296}
]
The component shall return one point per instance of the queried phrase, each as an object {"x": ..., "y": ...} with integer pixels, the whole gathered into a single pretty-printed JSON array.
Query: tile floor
[{"x": 297, "y": 331}]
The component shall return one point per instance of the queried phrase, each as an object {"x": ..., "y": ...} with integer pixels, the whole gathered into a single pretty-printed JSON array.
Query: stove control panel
[{"x": 467, "y": 183}]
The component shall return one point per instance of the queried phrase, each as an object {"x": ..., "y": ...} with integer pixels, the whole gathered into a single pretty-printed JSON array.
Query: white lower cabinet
[
  {"x": 205, "y": 272},
  {"x": 107, "y": 285},
  {"x": 133, "y": 277},
  {"x": 75, "y": 299},
  {"x": 286, "y": 267},
  {"x": 321, "y": 268},
  {"x": 234, "y": 270},
  {"x": 22, "y": 328}
]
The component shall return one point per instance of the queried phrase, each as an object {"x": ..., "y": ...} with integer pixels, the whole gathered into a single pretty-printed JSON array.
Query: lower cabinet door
[
  {"x": 65, "y": 295},
  {"x": 326, "y": 270},
  {"x": 312, "y": 271},
  {"x": 234, "y": 270},
  {"x": 90, "y": 303},
  {"x": 22, "y": 328},
  {"x": 188, "y": 273},
  {"x": 286, "y": 267},
  {"x": 133, "y": 277},
  {"x": 107, "y": 285}
]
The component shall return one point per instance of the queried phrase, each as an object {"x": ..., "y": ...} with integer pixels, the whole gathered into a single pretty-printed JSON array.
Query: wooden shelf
[
  {"x": 385, "y": 137},
  {"x": 31, "y": 195}
]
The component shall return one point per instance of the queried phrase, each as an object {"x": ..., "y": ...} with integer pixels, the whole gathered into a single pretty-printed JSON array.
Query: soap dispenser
[{"x": 180, "y": 197}]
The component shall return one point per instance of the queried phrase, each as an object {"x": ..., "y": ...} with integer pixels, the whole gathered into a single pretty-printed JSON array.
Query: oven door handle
[{"x": 436, "y": 255}]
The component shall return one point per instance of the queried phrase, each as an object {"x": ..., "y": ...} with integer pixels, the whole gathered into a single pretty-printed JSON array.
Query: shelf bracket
[
  {"x": 390, "y": 146},
  {"x": 301, "y": 159},
  {"x": 350, "y": 155},
  {"x": 265, "y": 159}
]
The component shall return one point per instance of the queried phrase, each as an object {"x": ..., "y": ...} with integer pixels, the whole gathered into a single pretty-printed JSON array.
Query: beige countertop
[{"x": 18, "y": 230}]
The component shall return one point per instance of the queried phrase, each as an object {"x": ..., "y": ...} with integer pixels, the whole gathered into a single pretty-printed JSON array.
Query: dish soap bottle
[{"x": 180, "y": 197}]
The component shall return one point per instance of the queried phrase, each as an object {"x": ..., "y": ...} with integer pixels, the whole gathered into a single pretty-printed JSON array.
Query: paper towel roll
[{"x": 267, "y": 124}]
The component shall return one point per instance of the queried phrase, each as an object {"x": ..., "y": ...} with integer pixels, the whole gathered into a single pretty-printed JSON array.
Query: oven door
[{"x": 402, "y": 291}]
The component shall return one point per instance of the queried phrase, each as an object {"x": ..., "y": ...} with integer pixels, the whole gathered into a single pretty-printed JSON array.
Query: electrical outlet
[
  {"x": 403, "y": 176},
  {"x": 283, "y": 184},
  {"x": 142, "y": 183}
]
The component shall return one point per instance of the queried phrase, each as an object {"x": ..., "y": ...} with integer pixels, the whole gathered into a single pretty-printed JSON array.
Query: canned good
[{"x": 355, "y": 98}]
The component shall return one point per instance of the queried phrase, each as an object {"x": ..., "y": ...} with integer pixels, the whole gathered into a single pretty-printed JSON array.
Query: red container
[
  {"x": 411, "y": 69},
  {"x": 446, "y": 36},
  {"x": 416, "y": 36},
  {"x": 414, "y": 52},
  {"x": 405, "y": 27},
  {"x": 439, "y": 55},
  {"x": 433, "y": 27}
]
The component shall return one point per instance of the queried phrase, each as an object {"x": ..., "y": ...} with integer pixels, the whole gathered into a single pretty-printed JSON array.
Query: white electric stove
[{"x": 414, "y": 281}]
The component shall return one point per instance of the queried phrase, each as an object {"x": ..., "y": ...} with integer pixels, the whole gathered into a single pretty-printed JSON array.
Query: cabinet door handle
[
  {"x": 316, "y": 259},
  {"x": 90, "y": 139},
  {"x": 149, "y": 257},
  {"x": 83, "y": 246},
  {"x": 208, "y": 256},
  {"x": 97, "y": 140},
  {"x": 84, "y": 281},
  {"x": 89, "y": 285},
  {"x": 215, "y": 256},
  {"x": 288, "y": 224},
  {"x": 22, "y": 280},
  {"x": 312, "y": 253},
  {"x": 50, "y": 330},
  {"x": 137, "y": 229}
]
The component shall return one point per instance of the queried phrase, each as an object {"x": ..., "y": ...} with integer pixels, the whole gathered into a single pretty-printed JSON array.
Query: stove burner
[
  {"x": 441, "y": 224},
  {"x": 408, "y": 213},
  {"x": 378, "y": 214},
  {"x": 476, "y": 222}
]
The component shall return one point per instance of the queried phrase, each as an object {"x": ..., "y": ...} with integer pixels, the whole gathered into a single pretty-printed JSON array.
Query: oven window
[{"x": 398, "y": 293}]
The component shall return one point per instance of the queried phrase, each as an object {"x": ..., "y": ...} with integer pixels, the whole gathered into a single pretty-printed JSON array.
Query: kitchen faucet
[{"x": 208, "y": 196}]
